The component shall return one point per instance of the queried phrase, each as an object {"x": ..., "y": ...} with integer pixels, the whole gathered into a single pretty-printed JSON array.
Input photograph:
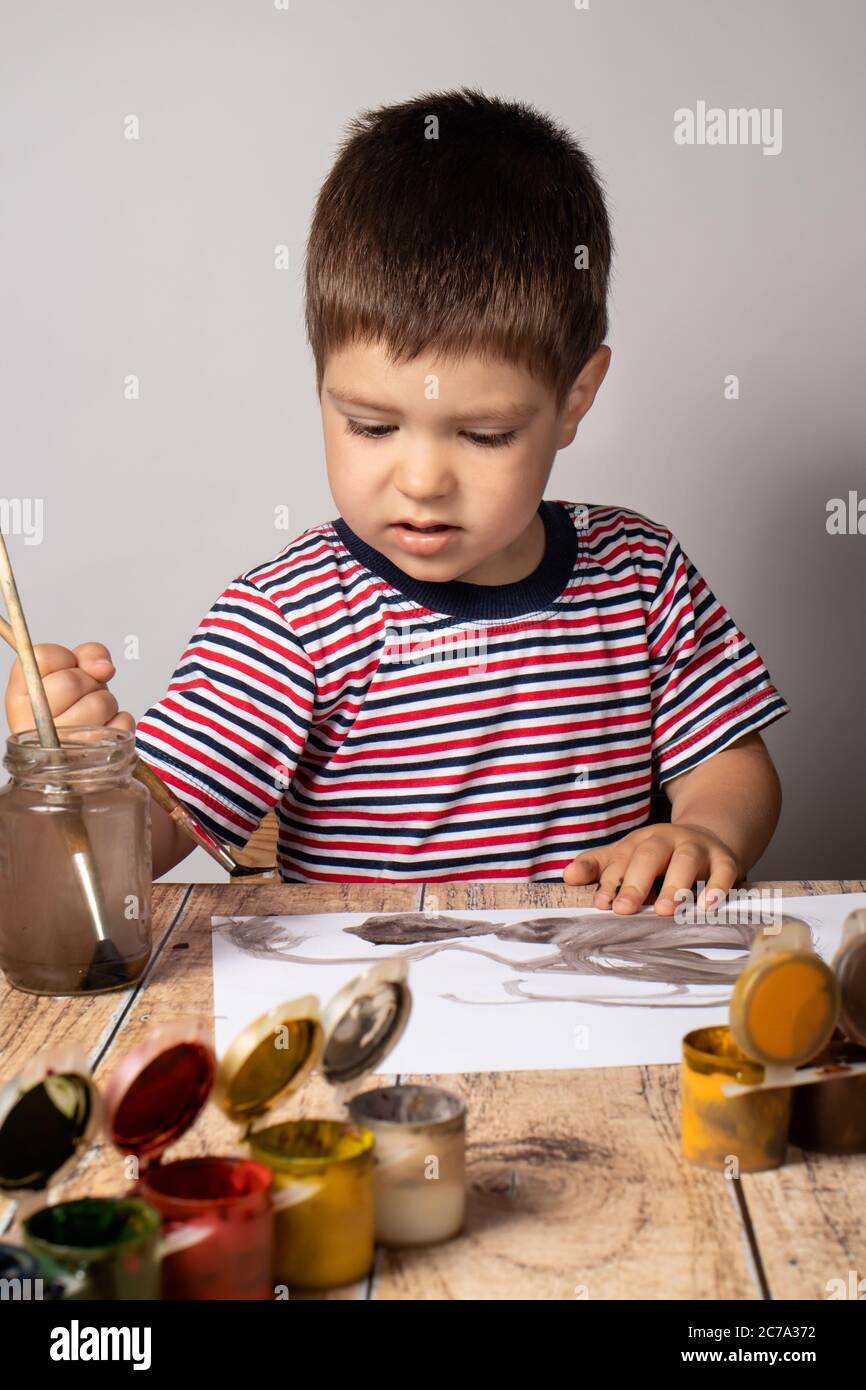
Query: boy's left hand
[{"x": 627, "y": 869}]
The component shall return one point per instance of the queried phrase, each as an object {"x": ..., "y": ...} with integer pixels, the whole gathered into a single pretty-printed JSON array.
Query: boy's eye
[
  {"x": 484, "y": 441},
  {"x": 368, "y": 431},
  {"x": 492, "y": 441}
]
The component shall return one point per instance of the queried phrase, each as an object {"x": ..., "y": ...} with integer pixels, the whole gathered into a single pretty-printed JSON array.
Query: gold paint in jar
[
  {"x": 323, "y": 1181},
  {"x": 753, "y": 1130}
]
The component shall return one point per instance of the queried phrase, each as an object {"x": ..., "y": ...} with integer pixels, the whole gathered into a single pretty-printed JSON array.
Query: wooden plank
[
  {"x": 809, "y": 1217},
  {"x": 182, "y": 984}
]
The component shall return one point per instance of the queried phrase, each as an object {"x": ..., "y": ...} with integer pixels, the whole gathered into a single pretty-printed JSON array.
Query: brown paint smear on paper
[{"x": 641, "y": 947}]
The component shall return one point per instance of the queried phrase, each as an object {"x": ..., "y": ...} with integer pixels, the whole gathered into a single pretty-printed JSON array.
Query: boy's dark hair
[{"x": 465, "y": 242}]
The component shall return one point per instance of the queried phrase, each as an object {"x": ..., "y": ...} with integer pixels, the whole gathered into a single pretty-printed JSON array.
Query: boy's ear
[{"x": 583, "y": 393}]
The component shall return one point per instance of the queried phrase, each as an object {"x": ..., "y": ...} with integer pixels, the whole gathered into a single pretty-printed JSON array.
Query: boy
[{"x": 456, "y": 679}]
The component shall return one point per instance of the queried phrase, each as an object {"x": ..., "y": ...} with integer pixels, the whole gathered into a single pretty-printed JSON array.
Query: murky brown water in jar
[{"x": 48, "y": 942}]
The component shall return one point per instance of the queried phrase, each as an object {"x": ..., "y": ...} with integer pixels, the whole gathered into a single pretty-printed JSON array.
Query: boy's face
[{"x": 466, "y": 443}]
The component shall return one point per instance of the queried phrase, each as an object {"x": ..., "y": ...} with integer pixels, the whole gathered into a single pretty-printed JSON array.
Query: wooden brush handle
[{"x": 32, "y": 679}]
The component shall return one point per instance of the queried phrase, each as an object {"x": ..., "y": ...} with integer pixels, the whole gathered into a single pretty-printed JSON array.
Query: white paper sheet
[{"x": 471, "y": 1013}]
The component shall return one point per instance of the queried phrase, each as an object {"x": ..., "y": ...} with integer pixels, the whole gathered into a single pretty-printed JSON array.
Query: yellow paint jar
[
  {"x": 323, "y": 1168},
  {"x": 786, "y": 999},
  {"x": 323, "y": 1180},
  {"x": 718, "y": 1129}
]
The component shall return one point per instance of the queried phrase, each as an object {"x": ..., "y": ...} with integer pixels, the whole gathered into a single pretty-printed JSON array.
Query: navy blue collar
[{"x": 457, "y": 599}]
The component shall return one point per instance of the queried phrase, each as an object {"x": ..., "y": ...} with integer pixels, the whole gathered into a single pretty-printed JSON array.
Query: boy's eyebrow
[{"x": 521, "y": 410}]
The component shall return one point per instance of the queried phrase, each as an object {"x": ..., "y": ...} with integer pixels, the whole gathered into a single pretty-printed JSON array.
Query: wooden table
[{"x": 576, "y": 1183}]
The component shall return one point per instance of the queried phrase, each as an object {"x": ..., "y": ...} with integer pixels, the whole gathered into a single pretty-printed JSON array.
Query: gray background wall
[{"x": 155, "y": 257}]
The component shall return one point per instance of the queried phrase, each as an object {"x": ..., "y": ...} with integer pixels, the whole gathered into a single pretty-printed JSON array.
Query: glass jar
[
  {"x": 830, "y": 1117},
  {"x": 75, "y": 865},
  {"x": 716, "y": 1129},
  {"x": 114, "y": 1241},
  {"x": 323, "y": 1200},
  {"x": 419, "y": 1161},
  {"x": 226, "y": 1202}
]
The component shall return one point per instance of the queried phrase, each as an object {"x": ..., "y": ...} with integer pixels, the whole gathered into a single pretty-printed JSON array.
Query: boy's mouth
[{"x": 426, "y": 539}]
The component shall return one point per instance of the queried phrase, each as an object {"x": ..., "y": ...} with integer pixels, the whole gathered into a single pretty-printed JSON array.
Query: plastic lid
[
  {"x": 160, "y": 1088},
  {"x": 786, "y": 1000},
  {"x": 365, "y": 1020},
  {"x": 269, "y": 1059},
  {"x": 48, "y": 1112},
  {"x": 850, "y": 966},
  {"x": 791, "y": 934}
]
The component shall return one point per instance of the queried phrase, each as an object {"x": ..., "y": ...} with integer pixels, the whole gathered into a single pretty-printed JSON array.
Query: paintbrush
[
  {"x": 106, "y": 969},
  {"x": 180, "y": 814}
]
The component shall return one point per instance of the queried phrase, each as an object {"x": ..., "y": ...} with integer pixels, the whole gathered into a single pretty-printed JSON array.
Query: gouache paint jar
[
  {"x": 75, "y": 865},
  {"x": 323, "y": 1172},
  {"x": 114, "y": 1241},
  {"x": 323, "y": 1168},
  {"x": 830, "y": 1116},
  {"x": 419, "y": 1161},
  {"x": 217, "y": 1212},
  {"x": 227, "y": 1201},
  {"x": 785, "y": 1002},
  {"x": 849, "y": 964},
  {"x": 716, "y": 1129},
  {"x": 49, "y": 1114}
]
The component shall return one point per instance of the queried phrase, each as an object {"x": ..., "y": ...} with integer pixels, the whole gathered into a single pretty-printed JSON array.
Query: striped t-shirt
[{"x": 410, "y": 730}]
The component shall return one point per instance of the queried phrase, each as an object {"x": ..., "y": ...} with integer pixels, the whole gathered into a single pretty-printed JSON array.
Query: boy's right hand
[{"x": 75, "y": 684}]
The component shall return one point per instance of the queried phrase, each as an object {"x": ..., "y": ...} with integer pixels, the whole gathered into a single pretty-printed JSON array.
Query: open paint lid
[
  {"x": 786, "y": 1000},
  {"x": 849, "y": 963},
  {"x": 160, "y": 1088},
  {"x": 365, "y": 1020},
  {"x": 48, "y": 1112},
  {"x": 271, "y": 1058}
]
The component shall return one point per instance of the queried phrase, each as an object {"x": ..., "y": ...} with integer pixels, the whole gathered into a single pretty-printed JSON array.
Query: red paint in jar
[
  {"x": 216, "y": 1212},
  {"x": 227, "y": 1202}
]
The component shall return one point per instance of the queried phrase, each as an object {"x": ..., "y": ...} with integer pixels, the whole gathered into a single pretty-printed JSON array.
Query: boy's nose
[{"x": 424, "y": 479}]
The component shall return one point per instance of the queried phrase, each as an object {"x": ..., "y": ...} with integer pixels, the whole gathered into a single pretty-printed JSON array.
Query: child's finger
[
  {"x": 124, "y": 720},
  {"x": 611, "y": 878},
  {"x": 98, "y": 707},
  {"x": 63, "y": 689},
  {"x": 50, "y": 656},
  {"x": 647, "y": 861},
  {"x": 586, "y": 868},
  {"x": 95, "y": 659},
  {"x": 721, "y": 879},
  {"x": 689, "y": 862}
]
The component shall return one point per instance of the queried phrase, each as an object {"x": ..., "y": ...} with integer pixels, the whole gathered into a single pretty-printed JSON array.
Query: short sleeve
[
  {"x": 227, "y": 735},
  {"x": 709, "y": 685}
]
